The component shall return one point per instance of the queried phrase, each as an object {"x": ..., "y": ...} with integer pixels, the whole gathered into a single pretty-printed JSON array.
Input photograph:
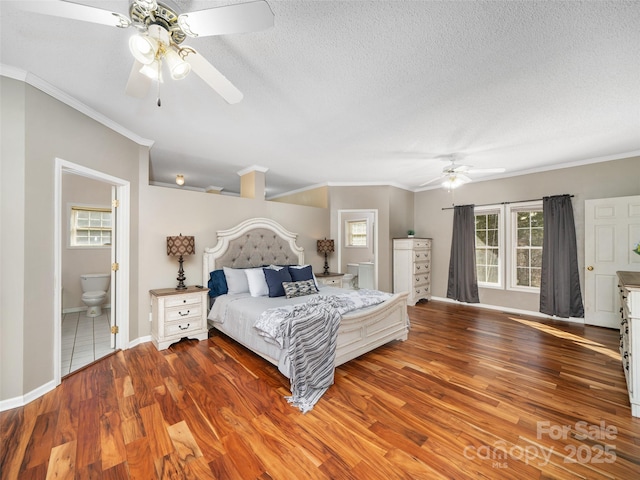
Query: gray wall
[
  {"x": 36, "y": 129},
  {"x": 599, "y": 180}
]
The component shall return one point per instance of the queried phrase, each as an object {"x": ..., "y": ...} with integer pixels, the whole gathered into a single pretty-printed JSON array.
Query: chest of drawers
[
  {"x": 412, "y": 268},
  {"x": 178, "y": 314},
  {"x": 629, "y": 289}
]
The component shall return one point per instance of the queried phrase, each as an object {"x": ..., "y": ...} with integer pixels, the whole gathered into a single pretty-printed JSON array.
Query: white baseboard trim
[
  {"x": 516, "y": 311},
  {"x": 22, "y": 400},
  {"x": 139, "y": 340},
  {"x": 28, "y": 397},
  {"x": 82, "y": 309}
]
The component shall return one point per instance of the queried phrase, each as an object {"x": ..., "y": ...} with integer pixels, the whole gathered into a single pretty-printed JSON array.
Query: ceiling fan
[
  {"x": 160, "y": 33},
  {"x": 455, "y": 175}
]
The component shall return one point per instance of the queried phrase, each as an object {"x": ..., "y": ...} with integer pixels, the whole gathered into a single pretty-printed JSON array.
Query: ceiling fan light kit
[
  {"x": 161, "y": 32},
  {"x": 453, "y": 175}
]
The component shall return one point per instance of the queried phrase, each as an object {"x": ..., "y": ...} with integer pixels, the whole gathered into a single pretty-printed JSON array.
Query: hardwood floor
[{"x": 472, "y": 394}]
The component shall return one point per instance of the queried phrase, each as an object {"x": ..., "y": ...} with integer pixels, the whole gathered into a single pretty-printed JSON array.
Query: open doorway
[
  {"x": 358, "y": 245},
  {"x": 91, "y": 245}
]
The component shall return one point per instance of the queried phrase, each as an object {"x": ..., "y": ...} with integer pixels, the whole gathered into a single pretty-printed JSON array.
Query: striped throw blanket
[{"x": 308, "y": 334}]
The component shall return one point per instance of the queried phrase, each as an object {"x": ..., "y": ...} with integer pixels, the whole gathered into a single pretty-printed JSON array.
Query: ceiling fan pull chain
[{"x": 159, "y": 102}]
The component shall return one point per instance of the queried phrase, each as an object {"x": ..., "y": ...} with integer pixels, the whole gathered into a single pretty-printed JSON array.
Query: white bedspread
[
  {"x": 272, "y": 325},
  {"x": 236, "y": 315}
]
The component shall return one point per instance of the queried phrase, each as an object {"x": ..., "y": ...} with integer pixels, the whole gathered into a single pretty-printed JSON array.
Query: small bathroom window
[
  {"x": 356, "y": 233},
  {"x": 90, "y": 226}
]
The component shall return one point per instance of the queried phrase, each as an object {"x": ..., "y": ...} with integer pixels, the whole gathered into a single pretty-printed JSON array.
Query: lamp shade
[
  {"x": 325, "y": 246},
  {"x": 143, "y": 48},
  {"x": 177, "y": 66},
  {"x": 181, "y": 245}
]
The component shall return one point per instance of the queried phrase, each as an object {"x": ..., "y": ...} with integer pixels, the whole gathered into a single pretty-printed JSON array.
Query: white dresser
[
  {"x": 412, "y": 268},
  {"x": 629, "y": 283},
  {"x": 178, "y": 314}
]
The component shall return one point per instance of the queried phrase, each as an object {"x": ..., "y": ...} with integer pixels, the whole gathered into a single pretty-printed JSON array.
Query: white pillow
[
  {"x": 236, "y": 280},
  {"x": 257, "y": 282}
]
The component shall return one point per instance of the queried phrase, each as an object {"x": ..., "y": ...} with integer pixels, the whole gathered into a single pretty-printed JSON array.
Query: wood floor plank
[
  {"x": 472, "y": 393},
  {"x": 62, "y": 462}
]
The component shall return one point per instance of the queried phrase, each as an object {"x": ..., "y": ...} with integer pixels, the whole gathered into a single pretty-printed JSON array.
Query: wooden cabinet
[
  {"x": 412, "y": 268},
  {"x": 330, "y": 279},
  {"x": 629, "y": 288},
  {"x": 178, "y": 314}
]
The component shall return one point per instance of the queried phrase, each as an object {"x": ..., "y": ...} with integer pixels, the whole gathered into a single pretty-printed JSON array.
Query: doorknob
[{"x": 589, "y": 268}]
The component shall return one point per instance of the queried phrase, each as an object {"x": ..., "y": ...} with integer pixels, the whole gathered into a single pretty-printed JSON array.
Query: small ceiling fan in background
[
  {"x": 455, "y": 175},
  {"x": 160, "y": 33}
]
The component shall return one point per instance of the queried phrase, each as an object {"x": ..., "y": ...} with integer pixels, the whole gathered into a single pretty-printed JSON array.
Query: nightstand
[
  {"x": 178, "y": 314},
  {"x": 330, "y": 279}
]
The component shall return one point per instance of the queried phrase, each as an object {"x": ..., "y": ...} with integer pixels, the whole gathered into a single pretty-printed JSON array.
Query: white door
[{"x": 612, "y": 229}]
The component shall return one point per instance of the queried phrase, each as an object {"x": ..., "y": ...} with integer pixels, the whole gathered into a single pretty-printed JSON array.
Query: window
[
  {"x": 519, "y": 243},
  {"x": 489, "y": 246},
  {"x": 90, "y": 226},
  {"x": 527, "y": 232},
  {"x": 356, "y": 233}
]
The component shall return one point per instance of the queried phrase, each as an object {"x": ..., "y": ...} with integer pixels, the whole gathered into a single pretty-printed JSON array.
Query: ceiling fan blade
[
  {"x": 463, "y": 178},
  {"x": 487, "y": 170},
  {"x": 75, "y": 11},
  {"x": 138, "y": 84},
  {"x": 238, "y": 18},
  {"x": 433, "y": 180},
  {"x": 213, "y": 77}
]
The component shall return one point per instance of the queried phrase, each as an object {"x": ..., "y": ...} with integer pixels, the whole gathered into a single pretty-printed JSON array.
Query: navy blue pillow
[
  {"x": 217, "y": 283},
  {"x": 274, "y": 280},
  {"x": 301, "y": 274}
]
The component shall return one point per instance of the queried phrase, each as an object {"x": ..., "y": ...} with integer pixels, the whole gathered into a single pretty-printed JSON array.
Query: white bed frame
[{"x": 252, "y": 244}]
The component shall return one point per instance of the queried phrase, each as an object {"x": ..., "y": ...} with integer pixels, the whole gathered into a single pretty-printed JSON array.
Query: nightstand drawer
[
  {"x": 183, "y": 312},
  {"x": 184, "y": 299},
  {"x": 183, "y": 328}
]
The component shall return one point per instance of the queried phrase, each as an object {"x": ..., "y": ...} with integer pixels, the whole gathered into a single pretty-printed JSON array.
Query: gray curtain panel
[
  {"x": 560, "y": 283},
  {"x": 463, "y": 281}
]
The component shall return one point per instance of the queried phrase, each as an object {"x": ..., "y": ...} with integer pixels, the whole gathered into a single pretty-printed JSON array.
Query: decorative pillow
[
  {"x": 236, "y": 280},
  {"x": 299, "y": 289},
  {"x": 300, "y": 272},
  {"x": 257, "y": 282},
  {"x": 275, "y": 278},
  {"x": 217, "y": 283}
]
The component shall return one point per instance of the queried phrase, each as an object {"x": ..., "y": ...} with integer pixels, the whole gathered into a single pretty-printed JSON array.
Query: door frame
[
  {"x": 343, "y": 211},
  {"x": 120, "y": 296}
]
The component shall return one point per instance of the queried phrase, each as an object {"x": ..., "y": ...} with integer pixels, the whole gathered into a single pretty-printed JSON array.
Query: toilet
[
  {"x": 350, "y": 279},
  {"x": 94, "y": 288}
]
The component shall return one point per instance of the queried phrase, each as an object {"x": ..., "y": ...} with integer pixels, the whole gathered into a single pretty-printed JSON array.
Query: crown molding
[
  {"x": 45, "y": 87},
  {"x": 253, "y": 168}
]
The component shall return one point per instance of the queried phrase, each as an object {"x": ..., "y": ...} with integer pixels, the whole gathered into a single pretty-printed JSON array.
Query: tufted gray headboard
[{"x": 252, "y": 243}]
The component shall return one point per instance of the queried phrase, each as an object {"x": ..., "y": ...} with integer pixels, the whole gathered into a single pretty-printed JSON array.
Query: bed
[{"x": 260, "y": 242}]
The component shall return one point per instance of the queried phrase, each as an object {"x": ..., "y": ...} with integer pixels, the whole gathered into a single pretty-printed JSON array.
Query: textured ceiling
[{"x": 365, "y": 92}]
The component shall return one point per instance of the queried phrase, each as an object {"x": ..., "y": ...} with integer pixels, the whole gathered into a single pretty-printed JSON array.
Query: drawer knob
[
  {"x": 184, "y": 328},
  {"x": 183, "y": 314}
]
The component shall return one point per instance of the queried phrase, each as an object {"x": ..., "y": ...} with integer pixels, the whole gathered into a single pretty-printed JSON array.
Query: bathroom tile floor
[{"x": 84, "y": 339}]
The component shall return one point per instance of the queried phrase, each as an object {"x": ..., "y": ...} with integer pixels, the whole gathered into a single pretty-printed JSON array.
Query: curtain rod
[{"x": 500, "y": 203}]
